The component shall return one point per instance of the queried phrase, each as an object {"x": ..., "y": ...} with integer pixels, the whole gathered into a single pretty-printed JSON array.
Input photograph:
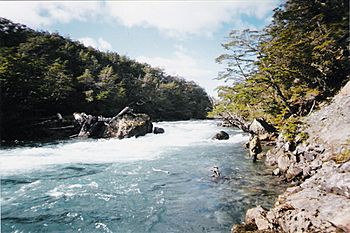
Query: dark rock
[
  {"x": 216, "y": 172},
  {"x": 222, "y": 135},
  {"x": 158, "y": 130}
]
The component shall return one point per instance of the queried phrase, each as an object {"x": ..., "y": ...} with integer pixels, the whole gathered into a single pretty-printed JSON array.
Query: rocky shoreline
[{"x": 318, "y": 168}]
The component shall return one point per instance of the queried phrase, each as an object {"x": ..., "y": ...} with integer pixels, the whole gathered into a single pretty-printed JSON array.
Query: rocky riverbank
[{"x": 319, "y": 169}]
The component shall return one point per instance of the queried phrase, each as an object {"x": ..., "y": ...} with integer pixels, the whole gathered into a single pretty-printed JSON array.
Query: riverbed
[{"x": 155, "y": 183}]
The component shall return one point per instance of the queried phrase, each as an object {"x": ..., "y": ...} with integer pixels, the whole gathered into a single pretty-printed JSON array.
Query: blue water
[{"x": 156, "y": 183}]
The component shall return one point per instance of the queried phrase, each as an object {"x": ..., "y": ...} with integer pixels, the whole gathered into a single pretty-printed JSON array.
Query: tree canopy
[
  {"x": 44, "y": 73},
  {"x": 283, "y": 72}
]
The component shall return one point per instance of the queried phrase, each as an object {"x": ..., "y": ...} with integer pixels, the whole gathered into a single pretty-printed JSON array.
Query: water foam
[{"x": 177, "y": 134}]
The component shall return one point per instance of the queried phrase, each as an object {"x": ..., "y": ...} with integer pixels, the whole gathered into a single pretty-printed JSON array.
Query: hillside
[
  {"x": 43, "y": 74},
  {"x": 320, "y": 203}
]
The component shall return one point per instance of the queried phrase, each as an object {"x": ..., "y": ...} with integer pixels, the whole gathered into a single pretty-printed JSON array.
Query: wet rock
[
  {"x": 129, "y": 125},
  {"x": 158, "y": 130},
  {"x": 254, "y": 147},
  {"x": 222, "y": 135},
  {"x": 244, "y": 228}
]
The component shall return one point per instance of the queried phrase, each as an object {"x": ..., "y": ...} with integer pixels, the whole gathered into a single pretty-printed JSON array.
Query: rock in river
[{"x": 222, "y": 135}]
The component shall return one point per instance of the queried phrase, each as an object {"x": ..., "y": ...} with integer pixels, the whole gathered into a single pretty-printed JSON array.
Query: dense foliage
[
  {"x": 284, "y": 71},
  {"x": 44, "y": 73}
]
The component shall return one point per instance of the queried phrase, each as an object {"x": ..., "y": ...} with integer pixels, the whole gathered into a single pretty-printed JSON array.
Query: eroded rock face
[
  {"x": 320, "y": 204},
  {"x": 330, "y": 126},
  {"x": 222, "y": 135}
]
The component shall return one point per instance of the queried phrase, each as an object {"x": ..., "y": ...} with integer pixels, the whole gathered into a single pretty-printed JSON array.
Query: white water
[
  {"x": 176, "y": 136},
  {"x": 156, "y": 183}
]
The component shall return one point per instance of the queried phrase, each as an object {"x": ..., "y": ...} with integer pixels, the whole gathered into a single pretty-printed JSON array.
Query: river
[{"x": 155, "y": 183}]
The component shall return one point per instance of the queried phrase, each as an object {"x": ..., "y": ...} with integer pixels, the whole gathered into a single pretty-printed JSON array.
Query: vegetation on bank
[
  {"x": 283, "y": 72},
  {"x": 44, "y": 73}
]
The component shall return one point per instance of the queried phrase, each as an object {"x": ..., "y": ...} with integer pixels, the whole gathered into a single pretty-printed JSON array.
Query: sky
[{"x": 181, "y": 37}]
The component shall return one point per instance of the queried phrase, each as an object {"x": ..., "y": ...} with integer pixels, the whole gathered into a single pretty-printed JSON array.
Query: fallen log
[{"x": 125, "y": 110}]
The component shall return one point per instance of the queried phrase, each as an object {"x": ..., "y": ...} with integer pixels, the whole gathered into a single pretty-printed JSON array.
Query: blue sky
[{"x": 182, "y": 37}]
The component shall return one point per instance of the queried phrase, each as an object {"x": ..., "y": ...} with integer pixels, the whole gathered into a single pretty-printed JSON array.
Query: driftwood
[
  {"x": 63, "y": 127},
  {"x": 125, "y": 110}
]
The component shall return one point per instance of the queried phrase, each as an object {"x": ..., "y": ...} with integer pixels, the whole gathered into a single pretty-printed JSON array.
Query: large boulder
[
  {"x": 222, "y": 135},
  {"x": 123, "y": 125},
  {"x": 129, "y": 125},
  {"x": 264, "y": 130}
]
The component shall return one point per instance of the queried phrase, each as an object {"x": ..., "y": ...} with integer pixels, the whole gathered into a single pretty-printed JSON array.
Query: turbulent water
[{"x": 155, "y": 183}]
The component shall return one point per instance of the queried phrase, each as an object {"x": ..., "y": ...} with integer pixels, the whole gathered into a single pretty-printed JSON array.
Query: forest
[
  {"x": 43, "y": 74},
  {"x": 284, "y": 72}
]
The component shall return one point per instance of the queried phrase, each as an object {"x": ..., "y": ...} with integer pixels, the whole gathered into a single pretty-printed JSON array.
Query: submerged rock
[{"x": 222, "y": 135}]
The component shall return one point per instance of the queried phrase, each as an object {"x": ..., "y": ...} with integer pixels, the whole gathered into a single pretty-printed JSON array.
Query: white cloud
[
  {"x": 182, "y": 64},
  {"x": 175, "y": 18},
  {"x": 100, "y": 43},
  {"x": 43, "y": 13},
  {"x": 178, "y": 18}
]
